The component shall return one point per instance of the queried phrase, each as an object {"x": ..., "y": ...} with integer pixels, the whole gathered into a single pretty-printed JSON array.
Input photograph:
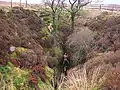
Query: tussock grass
[{"x": 81, "y": 81}]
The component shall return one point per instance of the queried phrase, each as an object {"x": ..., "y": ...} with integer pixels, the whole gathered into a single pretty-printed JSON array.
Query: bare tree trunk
[
  {"x": 11, "y": 3},
  {"x": 26, "y": 3},
  {"x": 72, "y": 20},
  {"x": 100, "y": 6},
  {"x": 20, "y": 3},
  {"x": 58, "y": 21},
  {"x": 53, "y": 17}
]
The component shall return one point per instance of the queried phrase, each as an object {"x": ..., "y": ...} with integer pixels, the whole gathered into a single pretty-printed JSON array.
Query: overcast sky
[{"x": 38, "y": 1}]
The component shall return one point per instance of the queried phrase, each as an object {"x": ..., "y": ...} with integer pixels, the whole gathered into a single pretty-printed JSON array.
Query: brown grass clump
[
  {"x": 99, "y": 73},
  {"x": 113, "y": 79},
  {"x": 79, "y": 80}
]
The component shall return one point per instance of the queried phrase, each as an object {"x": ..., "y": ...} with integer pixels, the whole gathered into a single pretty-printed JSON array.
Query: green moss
[
  {"x": 47, "y": 20},
  {"x": 18, "y": 51},
  {"x": 44, "y": 86},
  {"x": 49, "y": 73},
  {"x": 5, "y": 70},
  {"x": 18, "y": 81},
  {"x": 55, "y": 56},
  {"x": 10, "y": 64},
  {"x": 45, "y": 33},
  {"x": 58, "y": 52},
  {"x": 95, "y": 88},
  {"x": 14, "y": 76},
  {"x": 13, "y": 55}
]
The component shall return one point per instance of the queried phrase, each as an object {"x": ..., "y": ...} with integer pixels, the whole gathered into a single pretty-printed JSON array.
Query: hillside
[
  {"x": 98, "y": 48},
  {"x": 20, "y": 29},
  {"x": 40, "y": 50}
]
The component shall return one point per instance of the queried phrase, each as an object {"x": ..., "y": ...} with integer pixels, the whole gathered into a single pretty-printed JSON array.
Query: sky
[
  {"x": 38, "y": 1},
  {"x": 111, "y": 2}
]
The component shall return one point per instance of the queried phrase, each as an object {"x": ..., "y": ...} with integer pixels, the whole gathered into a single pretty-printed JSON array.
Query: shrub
[
  {"x": 80, "y": 43},
  {"x": 54, "y": 56}
]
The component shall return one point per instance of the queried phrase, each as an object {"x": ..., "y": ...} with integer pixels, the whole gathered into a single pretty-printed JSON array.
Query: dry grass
[
  {"x": 102, "y": 71},
  {"x": 81, "y": 81}
]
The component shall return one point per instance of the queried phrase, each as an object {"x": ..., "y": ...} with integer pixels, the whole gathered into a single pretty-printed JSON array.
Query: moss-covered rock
[{"x": 18, "y": 51}]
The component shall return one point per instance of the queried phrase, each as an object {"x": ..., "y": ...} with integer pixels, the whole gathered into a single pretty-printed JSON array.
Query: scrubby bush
[
  {"x": 80, "y": 44},
  {"x": 14, "y": 78},
  {"x": 55, "y": 55}
]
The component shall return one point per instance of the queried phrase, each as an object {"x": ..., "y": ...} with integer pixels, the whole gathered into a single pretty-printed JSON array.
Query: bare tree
[
  {"x": 55, "y": 6},
  {"x": 11, "y": 3},
  {"x": 20, "y": 3},
  {"x": 26, "y": 3},
  {"x": 73, "y": 8}
]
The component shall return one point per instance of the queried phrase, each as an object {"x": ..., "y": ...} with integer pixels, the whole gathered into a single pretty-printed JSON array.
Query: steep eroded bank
[{"x": 26, "y": 65}]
